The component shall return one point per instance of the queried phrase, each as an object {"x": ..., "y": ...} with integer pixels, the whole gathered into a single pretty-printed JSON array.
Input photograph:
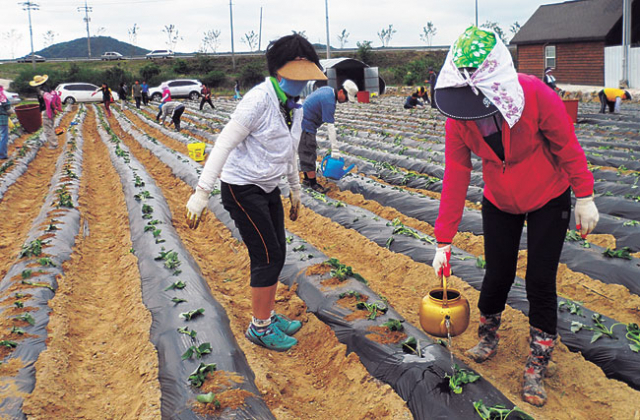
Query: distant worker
[
  {"x": 422, "y": 95},
  {"x": 122, "y": 93},
  {"x": 236, "y": 90},
  {"x": 175, "y": 110},
  {"x": 166, "y": 97},
  {"x": 320, "y": 108},
  {"x": 413, "y": 101},
  {"x": 5, "y": 111},
  {"x": 107, "y": 98},
  {"x": 613, "y": 98},
  {"x": 48, "y": 113},
  {"x": 433, "y": 77},
  {"x": 136, "y": 92},
  {"x": 145, "y": 93},
  {"x": 205, "y": 92},
  {"x": 550, "y": 80}
]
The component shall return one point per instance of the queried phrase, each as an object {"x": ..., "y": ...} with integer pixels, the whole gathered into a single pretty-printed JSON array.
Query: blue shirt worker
[{"x": 320, "y": 108}]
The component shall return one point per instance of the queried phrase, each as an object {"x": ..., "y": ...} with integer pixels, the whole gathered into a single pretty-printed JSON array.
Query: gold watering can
[{"x": 441, "y": 306}]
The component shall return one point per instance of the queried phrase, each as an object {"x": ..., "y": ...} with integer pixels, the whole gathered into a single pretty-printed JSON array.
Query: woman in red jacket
[{"x": 530, "y": 160}]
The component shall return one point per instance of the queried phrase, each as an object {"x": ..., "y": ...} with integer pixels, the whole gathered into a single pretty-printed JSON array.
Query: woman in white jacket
[{"x": 255, "y": 149}]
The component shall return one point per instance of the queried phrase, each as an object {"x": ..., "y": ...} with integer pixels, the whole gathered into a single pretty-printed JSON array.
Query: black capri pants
[
  {"x": 259, "y": 217},
  {"x": 307, "y": 151},
  {"x": 546, "y": 231}
]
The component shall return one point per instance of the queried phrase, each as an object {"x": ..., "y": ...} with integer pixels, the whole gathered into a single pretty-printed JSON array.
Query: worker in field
[
  {"x": 49, "y": 106},
  {"x": 173, "y": 109},
  {"x": 432, "y": 79},
  {"x": 612, "y": 98},
  {"x": 320, "y": 108},
  {"x": 423, "y": 95},
  {"x": 550, "y": 80},
  {"x": 256, "y": 148},
  {"x": 531, "y": 160},
  {"x": 413, "y": 101}
]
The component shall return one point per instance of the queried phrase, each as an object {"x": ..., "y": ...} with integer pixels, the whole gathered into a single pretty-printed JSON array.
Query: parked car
[
  {"x": 71, "y": 93},
  {"x": 14, "y": 98},
  {"x": 111, "y": 55},
  {"x": 180, "y": 88},
  {"x": 159, "y": 54},
  {"x": 27, "y": 59}
]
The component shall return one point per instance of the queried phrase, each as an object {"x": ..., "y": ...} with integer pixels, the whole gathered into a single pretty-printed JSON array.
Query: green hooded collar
[{"x": 279, "y": 92}]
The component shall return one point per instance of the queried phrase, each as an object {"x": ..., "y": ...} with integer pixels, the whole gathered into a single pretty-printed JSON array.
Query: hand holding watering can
[{"x": 333, "y": 167}]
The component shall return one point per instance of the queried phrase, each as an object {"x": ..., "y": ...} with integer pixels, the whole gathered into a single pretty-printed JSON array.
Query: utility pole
[
  {"x": 626, "y": 40},
  {"x": 260, "y": 32},
  {"x": 326, "y": 10},
  {"x": 476, "y": 13},
  {"x": 233, "y": 56},
  {"x": 86, "y": 10},
  {"x": 29, "y": 6}
]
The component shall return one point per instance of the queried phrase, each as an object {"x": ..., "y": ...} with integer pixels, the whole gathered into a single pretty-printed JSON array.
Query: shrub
[
  {"x": 113, "y": 76},
  {"x": 148, "y": 71},
  {"x": 365, "y": 53},
  {"x": 204, "y": 64},
  {"x": 215, "y": 78},
  {"x": 21, "y": 83},
  {"x": 181, "y": 66},
  {"x": 252, "y": 74}
]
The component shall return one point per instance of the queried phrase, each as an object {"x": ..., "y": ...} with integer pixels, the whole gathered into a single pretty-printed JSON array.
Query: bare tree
[
  {"x": 172, "y": 36},
  {"x": 211, "y": 41},
  {"x": 251, "y": 39},
  {"x": 12, "y": 38},
  {"x": 301, "y": 33},
  {"x": 100, "y": 31},
  {"x": 133, "y": 37},
  {"x": 495, "y": 28},
  {"x": 428, "y": 32},
  {"x": 385, "y": 35},
  {"x": 514, "y": 28},
  {"x": 343, "y": 38},
  {"x": 49, "y": 38}
]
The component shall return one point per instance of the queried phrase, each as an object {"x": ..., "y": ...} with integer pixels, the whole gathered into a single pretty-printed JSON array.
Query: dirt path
[
  {"x": 578, "y": 390},
  {"x": 99, "y": 362},
  {"x": 24, "y": 199},
  {"x": 316, "y": 380}
]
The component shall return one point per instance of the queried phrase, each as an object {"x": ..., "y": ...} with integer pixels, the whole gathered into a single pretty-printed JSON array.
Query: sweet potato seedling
[
  {"x": 208, "y": 398},
  {"x": 459, "y": 378},
  {"x": 373, "y": 308},
  {"x": 341, "y": 271},
  {"x": 598, "y": 331},
  {"x": 624, "y": 252},
  {"x": 17, "y": 330},
  {"x": 412, "y": 345},
  {"x": 393, "y": 325},
  {"x": 18, "y": 304},
  {"x": 177, "y": 300},
  {"x": 199, "y": 375},
  {"x": 499, "y": 412},
  {"x": 197, "y": 351},
  {"x": 176, "y": 285},
  {"x": 33, "y": 249},
  {"x": 572, "y": 306},
  {"x": 192, "y": 314},
  {"x": 30, "y": 283},
  {"x": 46, "y": 262},
  {"x": 27, "y": 318},
  {"x": 187, "y": 331},
  {"x": 633, "y": 335},
  {"x": 26, "y": 274},
  {"x": 8, "y": 343}
]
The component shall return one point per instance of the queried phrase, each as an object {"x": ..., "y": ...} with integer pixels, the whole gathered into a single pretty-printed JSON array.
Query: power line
[
  {"x": 86, "y": 10},
  {"x": 29, "y": 6}
]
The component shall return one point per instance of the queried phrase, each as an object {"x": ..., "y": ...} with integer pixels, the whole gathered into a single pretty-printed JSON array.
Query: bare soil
[{"x": 98, "y": 351}]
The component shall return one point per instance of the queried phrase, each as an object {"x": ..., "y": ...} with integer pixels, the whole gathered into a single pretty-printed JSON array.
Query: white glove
[
  {"x": 196, "y": 206},
  {"x": 294, "y": 196},
  {"x": 587, "y": 215},
  {"x": 331, "y": 130},
  {"x": 441, "y": 261}
]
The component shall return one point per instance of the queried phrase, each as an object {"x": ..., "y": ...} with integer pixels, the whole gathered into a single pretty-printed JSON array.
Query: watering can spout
[{"x": 334, "y": 168}]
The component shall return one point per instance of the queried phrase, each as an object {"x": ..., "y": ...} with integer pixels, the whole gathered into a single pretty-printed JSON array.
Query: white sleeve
[
  {"x": 293, "y": 176},
  {"x": 231, "y": 136},
  {"x": 617, "y": 106},
  {"x": 331, "y": 131}
]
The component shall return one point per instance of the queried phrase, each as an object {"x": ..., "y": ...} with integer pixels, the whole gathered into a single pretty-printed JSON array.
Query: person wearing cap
[
  {"x": 413, "y": 101},
  {"x": 174, "y": 109},
  {"x": 432, "y": 84},
  {"x": 612, "y": 98},
  {"x": 550, "y": 80},
  {"x": 255, "y": 149},
  {"x": 531, "y": 159},
  {"x": 47, "y": 108},
  {"x": 320, "y": 108}
]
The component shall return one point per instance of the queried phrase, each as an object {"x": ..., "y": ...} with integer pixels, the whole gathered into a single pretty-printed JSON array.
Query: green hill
[{"x": 99, "y": 45}]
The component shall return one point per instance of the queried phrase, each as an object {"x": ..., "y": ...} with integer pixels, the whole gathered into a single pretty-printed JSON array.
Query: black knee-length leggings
[{"x": 546, "y": 230}]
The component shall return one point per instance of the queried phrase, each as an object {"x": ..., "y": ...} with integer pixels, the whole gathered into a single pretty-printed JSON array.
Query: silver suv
[
  {"x": 179, "y": 88},
  {"x": 111, "y": 55},
  {"x": 159, "y": 54}
]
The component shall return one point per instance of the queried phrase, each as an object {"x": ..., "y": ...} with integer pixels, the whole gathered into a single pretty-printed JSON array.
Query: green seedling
[
  {"x": 459, "y": 378},
  {"x": 373, "y": 308},
  {"x": 176, "y": 285},
  {"x": 46, "y": 262},
  {"x": 187, "y": 331},
  {"x": 394, "y": 325},
  {"x": 27, "y": 318},
  {"x": 144, "y": 195},
  {"x": 64, "y": 197},
  {"x": 299, "y": 248},
  {"x": 498, "y": 412},
  {"x": 199, "y": 375},
  {"x": 147, "y": 210},
  {"x": 8, "y": 343},
  {"x": 412, "y": 346},
  {"x": 177, "y": 300},
  {"x": 341, "y": 271},
  {"x": 18, "y": 304},
  {"x": 289, "y": 239},
  {"x": 631, "y": 223},
  {"x": 481, "y": 263},
  {"x": 188, "y": 316},
  {"x": 33, "y": 249},
  {"x": 209, "y": 398},
  {"x": 198, "y": 352},
  {"x": 26, "y": 274},
  {"x": 572, "y": 306},
  {"x": 30, "y": 283},
  {"x": 19, "y": 295},
  {"x": 138, "y": 182},
  {"x": 52, "y": 227},
  {"x": 17, "y": 330},
  {"x": 401, "y": 229},
  {"x": 623, "y": 252},
  {"x": 170, "y": 258},
  {"x": 351, "y": 293},
  {"x": 598, "y": 331},
  {"x": 633, "y": 335}
]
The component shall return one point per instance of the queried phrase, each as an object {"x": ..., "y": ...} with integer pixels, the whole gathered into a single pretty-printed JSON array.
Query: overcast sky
[{"x": 192, "y": 18}]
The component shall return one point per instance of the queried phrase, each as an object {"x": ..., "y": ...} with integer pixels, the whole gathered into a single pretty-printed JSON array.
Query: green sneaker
[
  {"x": 286, "y": 325},
  {"x": 272, "y": 338}
]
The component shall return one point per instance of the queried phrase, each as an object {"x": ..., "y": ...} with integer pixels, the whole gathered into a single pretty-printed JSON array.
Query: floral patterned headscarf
[{"x": 495, "y": 77}]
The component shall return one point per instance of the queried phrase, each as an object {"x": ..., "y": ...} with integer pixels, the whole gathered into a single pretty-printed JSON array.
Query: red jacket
[{"x": 542, "y": 158}]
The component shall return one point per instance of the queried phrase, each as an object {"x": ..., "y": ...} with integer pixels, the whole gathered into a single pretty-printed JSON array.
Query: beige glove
[
  {"x": 331, "y": 131},
  {"x": 587, "y": 215},
  {"x": 294, "y": 196},
  {"x": 196, "y": 207}
]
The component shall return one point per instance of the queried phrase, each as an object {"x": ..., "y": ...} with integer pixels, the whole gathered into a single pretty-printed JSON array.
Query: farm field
[{"x": 111, "y": 307}]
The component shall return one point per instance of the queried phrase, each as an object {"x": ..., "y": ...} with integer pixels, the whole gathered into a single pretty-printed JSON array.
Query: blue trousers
[{"x": 4, "y": 140}]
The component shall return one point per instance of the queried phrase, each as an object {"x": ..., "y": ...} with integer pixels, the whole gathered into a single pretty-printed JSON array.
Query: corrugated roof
[
  {"x": 340, "y": 62},
  {"x": 580, "y": 20}
]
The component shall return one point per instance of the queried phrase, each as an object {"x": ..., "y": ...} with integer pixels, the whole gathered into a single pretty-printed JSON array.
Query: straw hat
[
  {"x": 38, "y": 80},
  {"x": 301, "y": 69}
]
